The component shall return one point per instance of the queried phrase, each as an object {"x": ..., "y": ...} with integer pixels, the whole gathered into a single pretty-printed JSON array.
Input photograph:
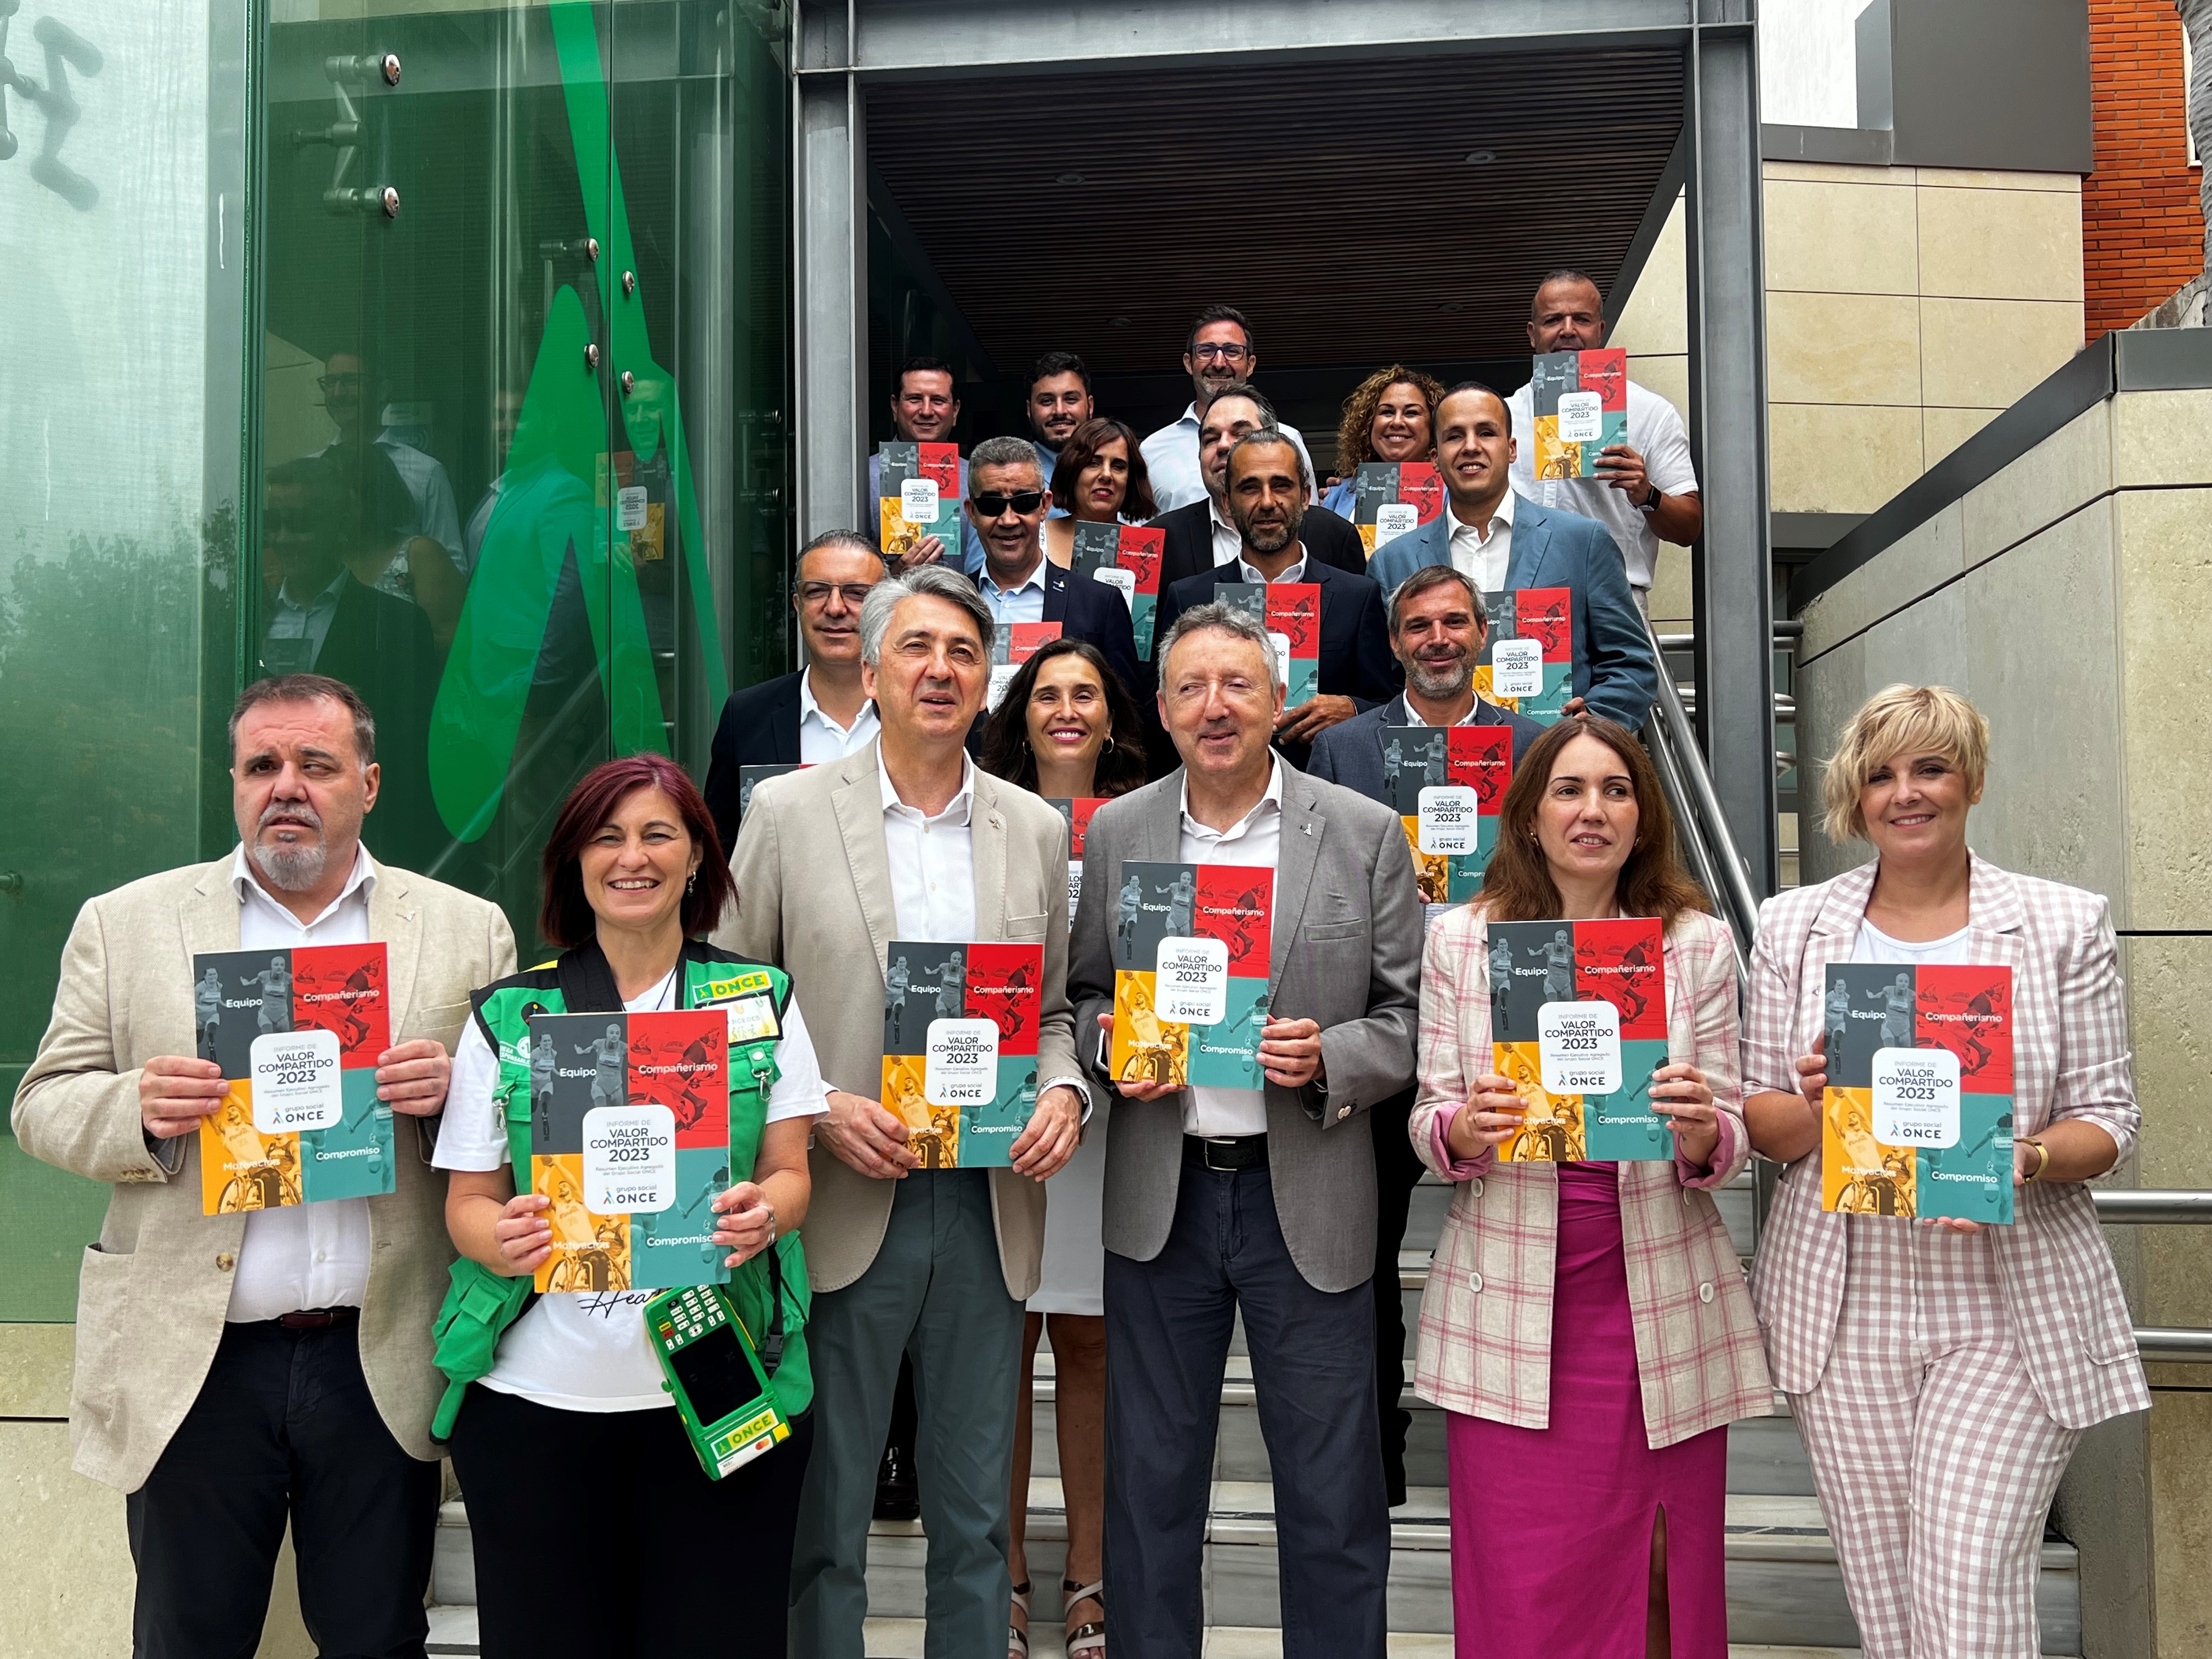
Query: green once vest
[{"x": 481, "y": 1304}]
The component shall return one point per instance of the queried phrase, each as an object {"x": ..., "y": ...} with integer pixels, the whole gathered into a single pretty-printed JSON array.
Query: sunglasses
[{"x": 991, "y": 504}]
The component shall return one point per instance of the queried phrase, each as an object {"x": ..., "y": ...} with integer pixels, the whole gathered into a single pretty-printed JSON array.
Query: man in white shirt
[
  {"x": 1260, "y": 1199},
  {"x": 236, "y": 1370},
  {"x": 1219, "y": 353},
  {"x": 906, "y": 840},
  {"x": 814, "y": 714},
  {"x": 1646, "y": 490},
  {"x": 348, "y": 393},
  {"x": 1502, "y": 541}
]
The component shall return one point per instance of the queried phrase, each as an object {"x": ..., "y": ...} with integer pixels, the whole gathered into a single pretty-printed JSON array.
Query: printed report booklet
[
  {"x": 1918, "y": 1117},
  {"x": 960, "y": 1048},
  {"x": 296, "y": 1033},
  {"x": 1578, "y": 1023},
  {"x": 1192, "y": 953},
  {"x": 1290, "y": 612},
  {"x": 1580, "y": 403},
  {"x": 1125, "y": 557},
  {"x": 1390, "y": 498},
  {"x": 1013, "y": 644},
  {"x": 1448, "y": 783},
  {"x": 750, "y": 777},
  {"x": 1528, "y": 661},
  {"x": 1078, "y": 813},
  {"x": 629, "y": 1137},
  {"x": 917, "y": 495}
]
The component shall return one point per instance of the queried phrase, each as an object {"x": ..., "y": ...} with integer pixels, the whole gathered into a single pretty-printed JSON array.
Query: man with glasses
[
  {"x": 925, "y": 410},
  {"x": 348, "y": 393},
  {"x": 1203, "y": 534},
  {"x": 1005, "y": 508},
  {"x": 820, "y": 712},
  {"x": 1219, "y": 354}
]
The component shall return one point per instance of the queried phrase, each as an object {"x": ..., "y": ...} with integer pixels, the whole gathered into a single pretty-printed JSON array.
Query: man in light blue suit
[{"x": 1502, "y": 540}]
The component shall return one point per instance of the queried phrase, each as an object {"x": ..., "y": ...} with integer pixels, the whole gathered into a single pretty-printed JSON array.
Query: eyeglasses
[
  {"x": 1206, "y": 350},
  {"x": 814, "y": 595},
  {"x": 992, "y": 504},
  {"x": 329, "y": 383}
]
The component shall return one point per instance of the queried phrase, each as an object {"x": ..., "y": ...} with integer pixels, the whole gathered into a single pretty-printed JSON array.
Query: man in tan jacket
[
  {"x": 906, "y": 840},
  {"x": 236, "y": 1369}
]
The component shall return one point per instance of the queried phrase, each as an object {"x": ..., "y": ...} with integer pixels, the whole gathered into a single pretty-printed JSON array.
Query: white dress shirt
[
  {"x": 309, "y": 623},
  {"x": 933, "y": 863},
  {"x": 1254, "y": 839},
  {"x": 820, "y": 738},
  {"x": 303, "y": 1255},
  {"x": 1228, "y": 540},
  {"x": 1022, "y": 602},
  {"x": 1250, "y": 572},
  {"x": 1171, "y": 460},
  {"x": 1413, "y": 715},
  {"x": 1481, "y": 552},
  {"x": 1655, "y": 431}
]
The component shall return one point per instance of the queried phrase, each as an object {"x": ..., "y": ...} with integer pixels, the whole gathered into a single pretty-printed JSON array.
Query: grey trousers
[
  {"x": 935, "y": 1292},
  {"x": 1168, "y": 1326}
]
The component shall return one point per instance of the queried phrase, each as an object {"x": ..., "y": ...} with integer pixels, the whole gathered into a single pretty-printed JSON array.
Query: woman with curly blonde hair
[{"x": 1389, "y": 417}]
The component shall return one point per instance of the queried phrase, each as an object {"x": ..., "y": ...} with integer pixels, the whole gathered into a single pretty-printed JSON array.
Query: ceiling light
[
  {"x": 1117, "y": 322},
  {"x": 1453, "y": 305},
  {"x": 1069, "y": 179},
  {"x": 1481, "y": 158}
]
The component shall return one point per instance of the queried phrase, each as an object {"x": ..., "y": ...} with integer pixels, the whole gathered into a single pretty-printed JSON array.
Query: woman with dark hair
[
  {"x": 1067, "y": 729},
  {"x": 562, "y": 1436},
  {"x": 1100, "y": 477},
  {"x": 1389, "y": 417},
  {"x": 1585, "y": 1325}
]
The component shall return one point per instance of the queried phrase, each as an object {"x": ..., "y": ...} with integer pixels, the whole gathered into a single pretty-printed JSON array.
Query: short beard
[
  {"x": 1282, "y": 539},
  {"x": 294, "y": 869},
  {"x": 1437, "y": 686}
]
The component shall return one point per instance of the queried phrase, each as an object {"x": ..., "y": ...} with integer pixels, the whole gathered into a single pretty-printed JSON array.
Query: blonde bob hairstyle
[{"x": 1900, "y": 719}]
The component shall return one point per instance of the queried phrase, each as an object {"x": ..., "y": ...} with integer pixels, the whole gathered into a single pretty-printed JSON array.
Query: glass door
[{"x": 506, "y": 319}]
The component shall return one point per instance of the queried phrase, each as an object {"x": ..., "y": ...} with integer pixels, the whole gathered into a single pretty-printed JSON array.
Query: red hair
[{"x": 565, "y": 919}]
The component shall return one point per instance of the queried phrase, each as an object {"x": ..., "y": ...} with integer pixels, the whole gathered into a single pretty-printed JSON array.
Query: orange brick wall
[{"x": 2142, "y": 233}]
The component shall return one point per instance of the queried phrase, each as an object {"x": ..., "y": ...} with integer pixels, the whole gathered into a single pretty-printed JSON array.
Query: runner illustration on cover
[
  {"x": 1182, "y": 900},
  {"x": 1896, "y": 1012},
  {"x": 207, "y": 1009},
  {"x": 276, "y": 983},
  {"x": 1501, "y": 982},
  {"x": 1132, "y": 898},
  {"x": 1839, "y": 1017},
  {"x": 544, "y": 1063},
  {"x": 1559, "y": 968},
  {"x": 952, "y": 987},
  {"x": 609, "y": 1087},
  {"x": 1394, "y": 757}
]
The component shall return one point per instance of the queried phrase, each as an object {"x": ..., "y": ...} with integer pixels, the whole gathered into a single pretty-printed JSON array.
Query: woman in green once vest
[{"x": 595, "y": 1531}]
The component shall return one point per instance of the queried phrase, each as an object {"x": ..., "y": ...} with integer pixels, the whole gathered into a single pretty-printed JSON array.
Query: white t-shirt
[
  {"x": 584, "y": 1351},
  {"x": 1873, "y": 946}
]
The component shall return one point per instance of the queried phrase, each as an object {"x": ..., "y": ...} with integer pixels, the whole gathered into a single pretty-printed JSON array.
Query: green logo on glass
[{"x": 557, "y": 475}]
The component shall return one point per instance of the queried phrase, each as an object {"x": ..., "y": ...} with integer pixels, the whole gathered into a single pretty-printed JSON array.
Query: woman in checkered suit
[
  {"x": 1586, "y": 1327},
  {"x": 1942, "y": 1372}
]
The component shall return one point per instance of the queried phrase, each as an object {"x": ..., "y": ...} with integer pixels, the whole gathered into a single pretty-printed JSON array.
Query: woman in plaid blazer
[
  {"x": 1942, "y": 1372},
  {"x": 1586, "y": 1327}
]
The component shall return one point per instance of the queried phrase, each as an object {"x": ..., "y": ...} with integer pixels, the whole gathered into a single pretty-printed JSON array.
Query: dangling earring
[
  {"x": 1108, "y": 749},
  {"x": 690, "y": 881}
]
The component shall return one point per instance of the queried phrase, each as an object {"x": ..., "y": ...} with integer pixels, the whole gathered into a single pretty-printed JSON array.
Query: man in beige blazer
[
  {"x": 906, "y": 840},
  {"x": 233, "y": 1371}
]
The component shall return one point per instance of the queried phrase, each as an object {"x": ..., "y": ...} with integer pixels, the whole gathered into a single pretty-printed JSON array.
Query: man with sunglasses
[
  {"x": 1220, "y": 353},
  {"x": 1006, "y": 503},
  {"x": 818, "y": 714}
]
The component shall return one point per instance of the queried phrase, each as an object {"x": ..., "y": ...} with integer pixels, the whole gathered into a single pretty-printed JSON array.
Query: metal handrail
[
  {"x": 1707, "y": 821},
  {"x": 2148, "y": 1206}
]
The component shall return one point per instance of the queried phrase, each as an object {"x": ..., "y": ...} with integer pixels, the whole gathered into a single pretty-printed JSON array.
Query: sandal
[
  {"x": 1090, "y": 1636},
  {"x": 1018, "y": 1640}
]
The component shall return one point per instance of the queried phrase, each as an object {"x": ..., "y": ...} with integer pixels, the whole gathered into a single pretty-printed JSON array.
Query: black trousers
[
  {"x": 283, "y": 1428},
  {"x": 1397, "y": 1172},
  {"x": 598, "y": 1534},
  {"x": 1167, "y": 1328}
]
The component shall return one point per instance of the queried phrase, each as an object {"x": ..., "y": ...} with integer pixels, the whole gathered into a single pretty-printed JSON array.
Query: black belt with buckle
[
  {"x": 1226, "y": 1152},
  {"x": 316, "y": 1319}
]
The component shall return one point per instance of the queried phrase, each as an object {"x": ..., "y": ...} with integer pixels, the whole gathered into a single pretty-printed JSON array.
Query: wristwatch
[{"x": 1651, "y": 502}]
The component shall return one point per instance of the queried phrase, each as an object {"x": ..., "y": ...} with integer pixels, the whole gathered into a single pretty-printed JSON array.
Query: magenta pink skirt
[{"x": 1551, "y": 1528}]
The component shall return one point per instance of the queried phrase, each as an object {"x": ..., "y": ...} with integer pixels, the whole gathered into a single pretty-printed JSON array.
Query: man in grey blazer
[
  {"x": 1437, "y": 632},
  {"x": 1503, "y": 540},
  {"x": 1262, "y": 1199},
  {"x": 236, "y": 1370},
  {"x": 906, "y": 840}
]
